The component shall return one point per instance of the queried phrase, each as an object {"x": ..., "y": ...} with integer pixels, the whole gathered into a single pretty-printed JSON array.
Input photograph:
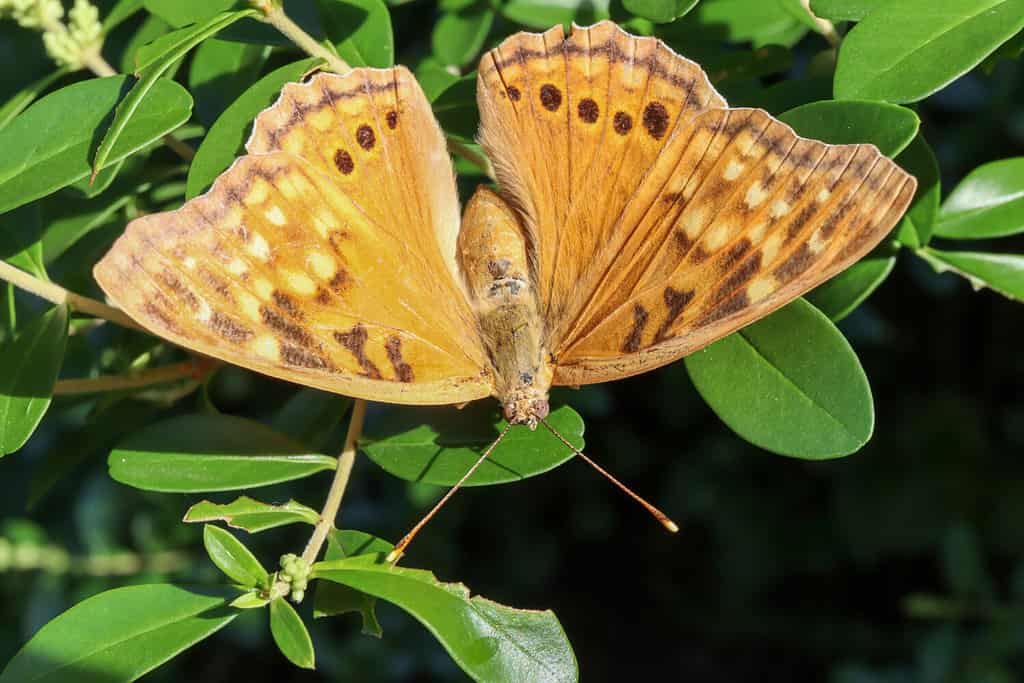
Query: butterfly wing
[
  {"x": 685, "y": 219},
  {"x": 325, "y": 256}
]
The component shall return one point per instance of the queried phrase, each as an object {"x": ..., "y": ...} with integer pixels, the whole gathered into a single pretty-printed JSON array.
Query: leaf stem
[
  {"x": 825, "y": 27},
  {"x": 273, "y": 14},
  {"x": 472, "y": 156},
  {"x": 341, "y": 475},
  {"x": 137, "y": 380},
  {"x": 54, "y": 293}
]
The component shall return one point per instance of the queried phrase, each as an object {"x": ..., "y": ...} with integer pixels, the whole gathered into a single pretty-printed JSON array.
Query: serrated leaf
[
  {"x": 226, "y": 136},
  {"x": 789, "y": 383},
  {"x": 1003, "y": 273},
  {"x": 233, "y": 558},
  {"x": 291, "y": 635},
  {"x": 29, "y": 365},
  {"x": 439, "y": 445},
  {"x": 489, "y": 641},
  {"x": 252, "y": 515},
  {"x": 333, "y": 599},
  {"x": 360, "y": 31},
  {"x": 989, "y": 202},
  {"x": 120, "y": 635},
  {"x": 887, "y": 126},
  {"x": 458, "y": 36},
  {"x": 172, "y": 47},
  {"x": 45, "y": 149},
  {"x": 907, "y": 50},
  {"x": 839, "y": 296},
  {"x": 198, "y": 453},
  {"x": 660, "y": 11},
  {"x": 917, "y": 225}
]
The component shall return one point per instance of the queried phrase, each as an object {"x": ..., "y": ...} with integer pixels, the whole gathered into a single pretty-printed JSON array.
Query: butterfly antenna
[
  {"x": 399, "y": 549},
  {"x": 658, "y": 514}
]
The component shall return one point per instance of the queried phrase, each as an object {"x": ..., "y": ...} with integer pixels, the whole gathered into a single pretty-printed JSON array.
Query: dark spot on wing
[
  {"x": 286, "y": 329},
  {"x": 343, "y": 160},
  {"x": 365, "y": 137},
  {"x": 656, "y": 119},
  {"x": 392, "y": 119},
  {"x": 550, "y": 97},
  {"x": 588, "y": 110},
  {"x": 355, "y": 341},
  {"x": 287, "y": 304},
  {"x": 622, "y": 122},
  {"x": 513, "y": 93},
  {"x": 403, "y": 371},
  {"x": 795, "y": 263},
  {"x": 675, "y": 302},
  {"x": 293, "y": 355},
  {"x": 632, "y": 343},
  {"x": 229, "y": 329}
]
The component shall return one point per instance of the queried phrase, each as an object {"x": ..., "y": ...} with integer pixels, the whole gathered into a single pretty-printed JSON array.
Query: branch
[
  {"x": 273, "y": 14},
  {"x": 138, "y": 380},
  {"x": 54, "y": 293},
  {"x": 825, "y": 27},
  {"x": 341, "y": 475}
]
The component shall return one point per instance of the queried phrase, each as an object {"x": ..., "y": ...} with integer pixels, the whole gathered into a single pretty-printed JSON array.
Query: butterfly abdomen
[{"x": 492, "y": 255}]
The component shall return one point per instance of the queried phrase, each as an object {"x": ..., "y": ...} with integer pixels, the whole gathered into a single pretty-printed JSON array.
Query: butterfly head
[{"x": 526, "y": 405}]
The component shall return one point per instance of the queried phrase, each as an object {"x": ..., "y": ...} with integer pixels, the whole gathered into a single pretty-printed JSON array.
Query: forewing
[{"x": 324, "y": 256}]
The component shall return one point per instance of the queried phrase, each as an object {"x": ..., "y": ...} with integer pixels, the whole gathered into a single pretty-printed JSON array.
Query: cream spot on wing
[
  {"x": 323, "y": 119},
  {"x": 325, "y": 222},
  {"x": 275, "y": 215},
  {"x": 189, "y": 262},
  {"x": 757, "y": 232},
  {"x": 236, "y": 266},
  {"x": 732, "y": 170},
  {"x": 265, "y": 346},
  {"x": 249, "y": 305},
  {"x": 693, "y": 222},
  {"x": 823, "y": 196},
  {"x": 770, "y": 248},
  {"x": 321, "y": 264},
  {"x": 204, "y": 312},
  {"x": 718, "y": 236},
  {"x": 760, "y": 288},
  {"x": 299, "y": 283},
  {"x": 756, "y": 194},
  {"x": 779, "y": 208},
  {"x": 258, "y": 247},
  {"x": 294, "y": 142},
  {"x": 259, "y": 190},
  {"x": 263, "y": 288},
  {"x": 817, "y": 242},
  {"x": 300, "y": 183},
  {"x": 232, "y": 218}
]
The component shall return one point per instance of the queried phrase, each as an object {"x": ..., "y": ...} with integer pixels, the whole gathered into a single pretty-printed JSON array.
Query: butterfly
[{"x": 637, "y": 218}]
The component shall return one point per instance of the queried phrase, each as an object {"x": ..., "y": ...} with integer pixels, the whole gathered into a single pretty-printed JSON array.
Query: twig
[
  {"x": 341, "y": 475},
  {"x": 143, "y": 378},
  {"x": 54, "y": 293},
  {"x": 825, "y": 27},
  {"x": 273, "y": 14}
]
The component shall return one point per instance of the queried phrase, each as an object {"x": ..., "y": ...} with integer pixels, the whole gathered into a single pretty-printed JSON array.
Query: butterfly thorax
[{"x": 492, "y": 255}]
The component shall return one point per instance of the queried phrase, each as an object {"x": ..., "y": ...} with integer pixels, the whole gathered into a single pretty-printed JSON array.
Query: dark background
[{"x": 902, "y": 562}]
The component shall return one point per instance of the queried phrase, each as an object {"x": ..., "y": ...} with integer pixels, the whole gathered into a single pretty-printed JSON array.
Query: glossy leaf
[
  {"x": 220, "y": 72},
  {"x": 887, "y": 126},
  {"x": 905, "y": 51},
  {"x": 29, "y": 365},
  {"x": 233, "y": 558},
  {"x": 69, "y": 218},
  {"x": 458, "y": 36},
  {"x": 918, "y": 159},
  {"x": 845, "y": 10},
  {"x": 119, "y": 635},
  {"x": 756, "y": 21},
  {"x": 172, "y": 47},
  {"x": 251, "y": 600},
  {"x": 252, "y": 515},
  {"x": 660, "y": 11},
  {"x": 839, "y": 296},
  {"x": 333, "y": 599},
  {"x": 360, "y": 31},
  {"x": 183, "y": 12},
  {"x": 20, "y": 233},
  {"x": 456, "y": 109},
  {"x": 989, "y": 202},
  {"x": 491, "y": 642},
  {"x": 197, "y": 453},
  {"x": 45, "y": 149},
  {"x": 121, "y": 11},
  {"x": 438, "y": 445},
  {"x": 18, "y": 102},
  {"x": 290, "y": 634},
  {"x": 226, "y": 136},
  {"x": 543, "y": 14},
  {"x": 1003, "y": 273},
  {"x": 789, "y": 383}
]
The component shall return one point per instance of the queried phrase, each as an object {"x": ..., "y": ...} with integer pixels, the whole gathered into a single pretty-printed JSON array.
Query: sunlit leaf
[
  {"x": 252, "y": 515},
  {"x": 360, "y": 31},
  {"x": 233, "y": 558},
  {"x": 1003, "y": 273},
  {"x": 182, "y": 12},
  {"x": 290, "y": 634},
  {"x": 789, "y": 383},
  {"x": 915, "y": 230},
  {"x": 543, "y": 14},
  {"x": 845, "y": 10},
  {"x": 660, "y": 11},
  {"x": 333, "y": 599},
  {"x": 220, "y": 72},
  {"x": 887, "y": 126},
  {"x": 491, "y": 642},
  {"x": 26, "y": 96},
  {"x": 120, "y": 635},
  {"x": 839, "y": 296},
  {"x": 989, "y": 202},
  {"x": 458, "y": 36}
]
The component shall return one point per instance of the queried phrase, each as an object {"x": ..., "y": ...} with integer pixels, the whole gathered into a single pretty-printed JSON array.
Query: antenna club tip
[
  {"x": 394, "y": 556},
  {"x": 671, "y": 526}
]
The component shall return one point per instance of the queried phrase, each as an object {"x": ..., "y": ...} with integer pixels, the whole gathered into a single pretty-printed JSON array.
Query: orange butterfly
[{"x": 638, "y": 219}]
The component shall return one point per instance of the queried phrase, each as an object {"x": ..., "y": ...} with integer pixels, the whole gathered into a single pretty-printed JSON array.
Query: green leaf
[
  {"x": 491, "y": 642},
  {"x": 360, "y": 31},
  {"x": 182, "y": 12},
  {"x": 20, "y": 233},
  {"x": 27, "y": 95},
  {"x": 226, "y": 136},
  {"x": 121, "y": 11},
  {"x": 310, "y": 416},
  {"x": 438, "y": 445},
  {"x": 171, "y": 48},
  {"x": 887, "y": 126},
  {"x": 333, "y": 599},
  {"x": 458, "y": 36},
  {"x": 1003, "y": 273},
  {"x": 798, "y": 10},
  {"x": 789, "y": 383},
  {"x": 290, "y": 634},
  {"x": 197, "y": 453},
  {"x": 845, "y": 10},
  {"x": 660, "y": 11},
  {"x": 456, "y": 110},
  {"x": 29, "y": 365},
  {"x": 907, "y": 50},
  {"x": 69, "y": 218},
  {"x": 542, "y": 14},
  {"x": 252, "y": 515},
  {"x": 434, "y": 78},
  {"x": 759, "y": 22},
  {"x": 839, "y": 296},
  {"x": 119, "y": 635},
  {"x": 233, "y": 558},
  {"x": 45, "y": 149},
  {"x": 220, "y": 71},
  {"x": 251, "y": 600},
  {"x": 915, "y": 230},
  {"x": 989, "y": 202}
]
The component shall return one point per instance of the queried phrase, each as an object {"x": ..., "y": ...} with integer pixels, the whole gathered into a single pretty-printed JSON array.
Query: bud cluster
[{"x": 69, "y": 43}]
